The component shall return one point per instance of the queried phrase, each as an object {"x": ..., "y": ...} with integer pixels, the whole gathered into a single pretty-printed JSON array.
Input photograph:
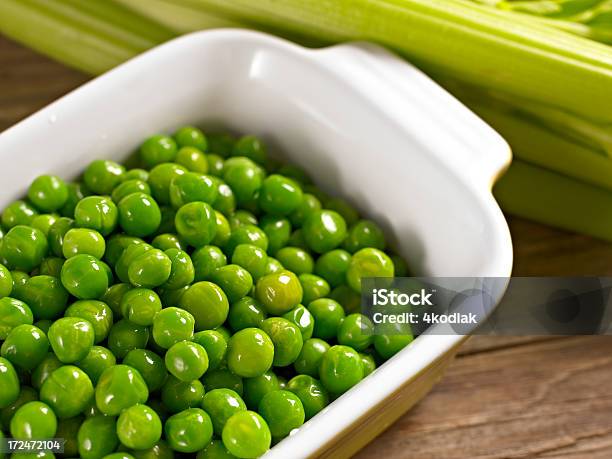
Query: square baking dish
[{"x": 367, "y": 127}]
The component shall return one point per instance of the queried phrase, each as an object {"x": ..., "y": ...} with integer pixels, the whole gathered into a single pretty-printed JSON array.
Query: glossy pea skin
[
  {"x": 125, "y": 336},
  {"x": 235, "y": 281},
  {"x": 328, "y": 315},
  {"x": 242, "y": 217},
  {"x": 160, "y": 178},
  {"x": 302, "y": 319},
  {"x": 160, "y": 450},
  {"x": 150, "y": 269},
  {"x": 97, "y": 313},
  {"x": 136, "y": 174},
  {"x": 139, "y": 215},
  {"x": 221, "y": 404},
  {"x": 112, "y": 297},
  {"x": 279, "y": 292},
  {"x": 368, "y": 363},
  {"x": 215, "y": 345},
  {"x": 206, "y": 260},
  {"x": 51, "y": 266},
  {"x": 347, "y": 297},
  {"x": 45, "y": 295},
  {"x": 96, "y": 361},
  {"x": 126, "y": 258},
  {"x": 71, "y": 338},
  {"x": 224, "y": 230},
  {"x": 18, "y": 213},
  {"x": 23, "y": 248},
  {"x": 340, "y": 369},
  {"x": 158, "y": 149},
  {"x": 190, "y": 136},
  {"x": 246, "y": 234},
  {"x": 116, "y": 245},
  {"x": 223, "y": 378},
  {"x": 324, "y": 230},
  {"x": 120, "y": 455},
  {"x": 44, "y": 222},
  {"x": 192, "y": 159},
  {"x": 48, "y": 193},
  {"x": 33, "y": 420},
  {"x": 255, "y": 388},
  {"x": 314, "y": 287},
  {"x": 246, "y": 312},
  {"x": 310, "y": 357},
  {"x": 226, "y": 201},
  {"x": 196, "y": 223},
  {"x": 98, "y": 213},
  {"x": 208, "y": 304},
  {"x": 308, "y": 205},
  {"x": 189, "y": 431},
  {"x": 311, "y": 392},
  {"x": 251, "y": 258},
  {"x": 244, "y": 177},
  {"x": 287, "y": 339},
  {"x": 172, "y": 325},
  {"x": 83, "y": 240},
  {"x": 215, "y": 165},
  {"x": 283, "y": 411},
  {"x": 192, "y": 187},
  {"x": 9, "y": 381},
  {"x": 119, "y": 388},
  {"x": 332, "y": 266},
  {"x": 368, "y": 263},
  {"x": 6, "y": 281},
  {"x": 279, "y": 195},
  {"x": 102, "y": 176},
  {"x": 278, "y": 230},
  {"x": 186, "y": 360},
  {"x": 387, "y": 345},
  {"x": 150, "y": 366},
  {"x": 168, "y": 241},
  {"x": 68, "y": 391},
  {"x": 139, "y": 427},
  {"x": 356, "y": 331},
  {"x": 342, "y": 207},
  {"x": 12, "y": 314},
  {"x": 180, "y": 395},
  {"x": 364, "y": 234},
  {"x": 246, "y": 435},
  {"x": 273, "y": 266},
  {"x": 250, "y": 353},
  {"x": 19, "y": 281},
  {"x": 43, "y": 370},
  {"x": 56, "y": 235},
  {"x": 26, "y": 394},
  {"x": 97, "y": 437},
  {"x": 128, "y": 187},
  {"x": 295, "y": 259},
  {"x": 182, "y": 272},
  {"x": 140, "y": 305},
  {"x": 76, "y": 192},
  {"x": 25, "y": 346},
  {"x": 215, "y": 450},
  {"x": 84, "y": 277}
]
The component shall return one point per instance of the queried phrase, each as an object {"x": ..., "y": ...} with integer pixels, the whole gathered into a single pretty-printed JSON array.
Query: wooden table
[{"x": 502, "y": 397}]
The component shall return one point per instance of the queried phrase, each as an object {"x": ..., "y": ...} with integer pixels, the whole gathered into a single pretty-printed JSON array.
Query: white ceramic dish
[{"x": 365, "y": 124}]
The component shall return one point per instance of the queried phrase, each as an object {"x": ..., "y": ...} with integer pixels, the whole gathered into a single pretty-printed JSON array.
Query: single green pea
[
  {"x": 25, "y": 346},
  {"x": 48, "y": 192},
  {"x": 278, "y": 231},
  {"x": 310, "y": 357},
  {"x": 18, "y": 213},
  {"x": 160, "y": 450},
  {"x": 246, "y": 435},
  {"x": 192, "y": 159},
  {"x": 273, "y": 266},
  {"x": 387, "y": 345},
  {"x": 102, "y": 176},
  {"x": 224, "y": 230},
  {"x": 369, "y": 364},
  {"x": 160, "y": 178},
  {"x": 226, "y": 200},
  {"x": 215, "y": 450},
  {"x": 68, "y": 430},
  {"x": 224, "y": 332},
  {"x": 302, "y": 319},
  {"x": 245, "y": 313},
  {"x": 6, "y": 282},
  {"x": 242, "y": 217},
  {"x": 192, "y": 187},
  {"x": 215, "y": 165},
  {"x": 9, "y": 381},
  {"x": 356, "y": 331},
  {"x": 130, "y": 253},
  {"x": 196, "y": 223},
  {"x": 180, "y": 395},
  {"x": 56, "y": 235},
  {"x": 206, "y": 260},
  {"x": 97, "y": 212},
  {"x": 250, "y": 147},
  {"x": 26, "y": 394},
  {"x": 295, "y": 259},
  {"x": 340, "y": 369},
  {"x": 221, "y": 143},
  {"x": 283, "y": 411},
  {"x": 247, "y": 234},
  {"x": 97, "y": 437},
  {"x": 82, "y": 240},
  {"x": 186, "y": 360},
  {"x": 150, "y": 269},
  {"x": 136, "y": 174},
  {"x": 332, "y": 266},
  {"x": 279, "y": 292},
  {"x": 44, "y": 369},
  {"x": 279, "y": 195},
  {"x": 308, "y": 205},
  {"x": 235, "y": 281},
  {"x": 113, "y": 296},
  {"x": 32, "y": 421},
  {"x": 125, "y": 336},
  {"x": 76, "y": 192},
  {"x": 20, "y": 280},
  {"x": 139, "y": 427},
  {"x": 328, "y": 315},
  {"x": 215, "y": 345},
  {"x": 311, "y": 392},
  {"x": 250, "y": 352},
  {"x": 128, "y": 187},
  {"x": 71, "y": 338},
  {"x": 23, "y": 248},
  {"x": 207, "y": 303},
  {"x": 119, "y": 388},
  {"x": 251, "y": 258},
  {"x": 51, "y": 266},
  {"x": 364, "y": 234},
  {"x": 167, "y": 241},
  {"x": 189, "y": 431},
  {"x": 314, "y": 287},
  {"x": 324, "y": 230},
  {"x": 347, "y": 297},
  {"x": 97, "y": 313},
  {"x": 287, "y": 339},
  {"x": 120, "y": 455},
  {"x": 140, "y": 305},
  {"x": 221, "y": 404},
  {"x": 150, "y": 366},
  {"x": 244, "y": 177},
  {"x": 68, "y": 391},
  {"x": 12, "y": 314},
  {"x": 342, "y": 207},
  {"x": 44, "y": 222},
  {"x": 84, "y": 277},
  {"x": 139, "y": 215},
  {"x": 172, "y": 325},
  {"x": 46, "y": 296},
  {"x": 96, "y": 361},
  {"x": 158, "y": 149},
  {"x": 222, "y": 378},
  {"x": 190, "y": 136},
  {"x": 182, "y": 272},
  {"x": 368, "y": 263},
  {"x": 255, "y": 388}
]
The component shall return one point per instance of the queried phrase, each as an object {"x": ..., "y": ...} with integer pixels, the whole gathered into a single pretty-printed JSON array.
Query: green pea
[
  {"x": 283, "y": 411},
  {"x": 119, "y": 388},
  {"x": 97, "y": 313},
  {"x": 242, "y": 217},
  {"x": 297, "y": 240},
  {"x": 308, "y": 205},
  {"x": 273, "y": 266},
  {"x": 12, "y": 314},
  {"x": 125, "y": 336},
  {"x": 120, "y": 455},
  {"x": 44, "y": 369},
  {"x": 46, "y": 296},
  {"x": 221, "y": 404},
  {"x": 324, "y": 230},
  {"x": 18, "y": 213},
  {"x": 368, "y": 263},
  {"x": 215, "y": 450},
  {"x": 136, "y": 174},
  {"x": 295, "y": 259},
  {"x": 51, "y": 266},
  {"x": 189, "y": 136},
  {"x": 226, "y": 201},
  {"x": 97, "y": 437},
  {"x": 150, "y": 366},
  {"x": 250, "y": 147},
  {"x": 328, "y": 315},
  {"x": 246, "y": 312},
  {"x": 139, "y": 215},
  {"x": 287, "y": 339},
  {"x": 158, "y": 451},
  {"x": 369, "y": 365},
  {"x": 255, "y": 388},
  {"x": 168, "y": 241},
  {"x": 128, "y": 187},
  {"x": 68, "y": 390},
  {"x": 97, "y": 212},
  {"x": 6, "y": 282},
  {"x": 311, "y": 392},
  {"x": 130, "y": 253},
  {"x": 9, "y": 382},
  {"x": 192, "y": 159},
  {"x": 26, "y": 394},
  {"x": 302, "y": 319},
  {"x": 158, "y": 149},
  {"x": 140, "y": 305},
  {"x": 356, "y": 331},
  {"x": 387, "y": 345},
  {"x": 25, "y": 346},
  {"x": 206, "y": 260},
  {"x": 76, "y": 192},
  {"x": 139, "y": 427},
  {"x": 246, "y": 435},
  {"x": 235, "y": 281},
  {"x": 116, "y": 245},
  {"x": 221, "y": 143},
  {"x": 172, "y": 325},
  {"x": 96, "y": 361},
  {"x": 247, "y": 234},
  {"x": 342, "y": 207},
  {"x": 223, "y": 230},
  {"x": 113, "y": 296},
  {"x": 180, "y": 395},
  {"x": 23, "y": 248},
  {"x": 196, "y": 223},
  {"x": 84, "y": 277},
  {"x": 250, "y": 353},
  {"x": 215, "y": 165},
  {"x": 160, "y": 178},
  {"x": 401, "y": 268},
  {"x": 223, "y": 378},
  {"x": 340, "y": 369},
  {"x": 207, "y": 303},
  {"x": 68, "y": 430},
  {"x": 82, "y": 240},
  {"x": 32, "y": 421},
  {"x": 278, "y": 231},
  {"x": 71, "y": 338},
  {"x": 56, "y": 235},
  {"x": 192, "y": 187},
  {"x": 215, "y": 345},
  {"x": 150, "y": 269},
  {"x": 44, "y": 222},
  {"x": 251, "y": 258},
  {"x": 244, "y": 177},
  {"x": 189, "y": 431},
  {"x": 310, "y": 357},
  {"x": 332, "y": 266},
  {"x": 279, "y": 292},
  {"x": 20, "y": 280},
  {"x": 182, "y": 272},
  {"x": 186, "y": 360},
  {"x": 103, "y": 176},
  {"x": 314, "y": 287},
  {"x": 364, "y": 234},
  {"x": 296, "y": 173},
  {"x": 347, "y": 297},
  {"x": 279, "y": 195}
]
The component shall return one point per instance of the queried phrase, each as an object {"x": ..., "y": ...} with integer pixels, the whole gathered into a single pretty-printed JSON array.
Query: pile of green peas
[{"x": 203, "y": 302}]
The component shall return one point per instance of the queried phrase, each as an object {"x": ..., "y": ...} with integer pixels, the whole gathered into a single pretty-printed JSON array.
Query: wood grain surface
[{"x": 503, "y": 397}]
